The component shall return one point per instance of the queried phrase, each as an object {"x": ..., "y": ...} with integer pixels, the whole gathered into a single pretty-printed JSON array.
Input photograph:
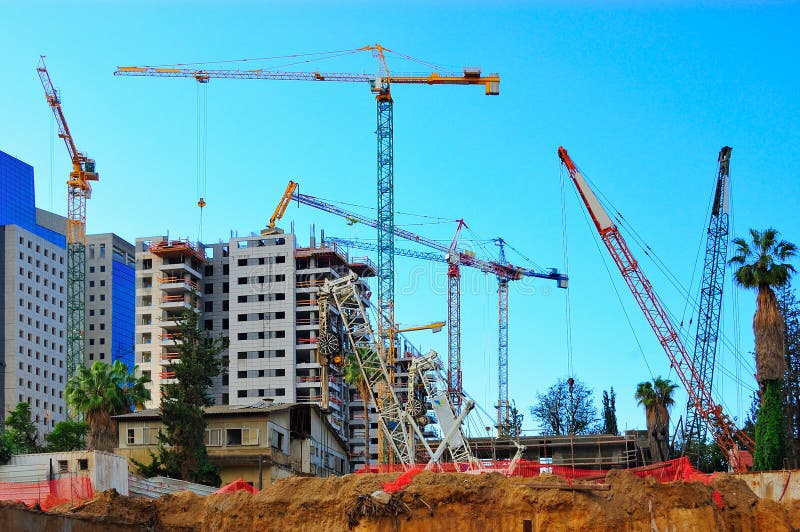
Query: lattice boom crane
[
  {"x": 725, "y": 431},
  {"x": 79, "y": 189},
  {"x": 710, "y": 305}
]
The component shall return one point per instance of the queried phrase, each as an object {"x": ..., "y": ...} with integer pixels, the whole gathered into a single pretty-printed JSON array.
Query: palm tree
[
  {"x": 762, "y": 265},
  {"x": 103, "y": 391},
  {"x": 355, "y": 377},
  {"x": 657, "y": 398}
]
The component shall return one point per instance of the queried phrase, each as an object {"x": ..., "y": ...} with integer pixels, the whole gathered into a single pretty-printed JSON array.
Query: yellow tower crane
[{"x": 79, "y": 189}]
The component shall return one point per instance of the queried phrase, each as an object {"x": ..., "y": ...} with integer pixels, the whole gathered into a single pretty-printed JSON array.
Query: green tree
[
  {"x": 514, "y": 421},
  {"x": 657, "y": 398},
  {"x": 762, "y": 264},
  {"x": 67, "y": 436},
  {"x": 355, "y": 377},
  {"x": 6, "y": 448},
  {"x": 610, "y": 412},
  {"x": 103, "y": 391},
  {"x": 567, "y": 407},
  {"x": 23, "y": 436},
  {"x": 182, "y": 452},
  {"x": 769, "y": 430},
  {"x": 790, "y": 310}
]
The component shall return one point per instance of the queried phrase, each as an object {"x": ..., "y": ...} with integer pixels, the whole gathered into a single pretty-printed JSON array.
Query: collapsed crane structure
[
  {"x": 455, "y": 258},
  {"x": 399, "y": 423},
  {"x": 710, "y": 304},
  {"x": 727, "y": 435},
  {"x": 79, "y": 189}
]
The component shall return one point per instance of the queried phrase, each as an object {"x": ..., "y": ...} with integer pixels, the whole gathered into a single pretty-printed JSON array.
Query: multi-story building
[
  {"x": 259, "y": 291},
  {"x": 110, "y": 294},
  {"x": 32, "y": 299},
  {"x": 168, "y": 277}
]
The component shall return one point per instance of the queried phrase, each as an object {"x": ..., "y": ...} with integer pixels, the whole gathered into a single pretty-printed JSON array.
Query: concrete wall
[
  {"x": 105, "y": 470},
  {"x": 779, "y": 486}
]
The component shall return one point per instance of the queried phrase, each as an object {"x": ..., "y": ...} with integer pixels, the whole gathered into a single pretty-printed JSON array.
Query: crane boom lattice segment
[
  {"x": 711, "y": 287},
  {"x": 343, "y": 293},
  {"x": 79, "y": 189},
  {"x": 725, "y": 431}
]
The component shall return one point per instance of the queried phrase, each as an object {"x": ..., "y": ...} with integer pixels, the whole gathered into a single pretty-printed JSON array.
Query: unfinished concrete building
[{"x": 260, "y": 292}]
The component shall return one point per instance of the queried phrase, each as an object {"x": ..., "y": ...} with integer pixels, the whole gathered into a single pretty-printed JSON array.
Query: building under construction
[{"x": 260, "y": 292}]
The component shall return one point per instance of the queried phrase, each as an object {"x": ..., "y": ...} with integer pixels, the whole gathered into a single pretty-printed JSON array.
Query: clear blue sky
[{"x": 642, "y": 95}]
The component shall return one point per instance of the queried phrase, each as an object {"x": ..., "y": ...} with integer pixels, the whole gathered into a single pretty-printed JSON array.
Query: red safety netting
[
  {"x": 670, "y": 471},
  {"x": 48, "y": 493},
  {"x": 237, "y": 485}
]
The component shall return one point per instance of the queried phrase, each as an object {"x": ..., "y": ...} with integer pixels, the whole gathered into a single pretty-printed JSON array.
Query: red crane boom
[{"x": 725, "y": 431}]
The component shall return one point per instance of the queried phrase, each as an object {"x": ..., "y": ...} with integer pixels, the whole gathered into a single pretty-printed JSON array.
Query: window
[
  {"x": 225, "y": 324},
  {"x": 276, "y": 440},
  {"x": 243, "y": 436},
  {"x": 147, "y": 264},
  {"x": 102, "y": 269},
  {"x": 62, "y": 466},
  {"x": 225, "y": 304},
  {"x": 280, "y": 259},
  {"x": 225, "y": 269},
  {"x": 241, "y": 317},
  {"x": 208, "y": 306},
  {"x": 142, "y": 436},
  {"x": 208, "y": 271},
  {"x": 209, "y": 288},
  {"x": 91, "y": 284},
  {"x": 208, "y": 325},
  {"x": 213, "y": 437},
  {"x": 83, "y": 464},
  {"x": 102, "y": 282},
  {"x": 91, "y": 270},
  {"x": 241, "y": 299},
  {"x": 102, "y": 250},
  {"x": 242, "y": 262},
  {"x": 241, "y": 280}
]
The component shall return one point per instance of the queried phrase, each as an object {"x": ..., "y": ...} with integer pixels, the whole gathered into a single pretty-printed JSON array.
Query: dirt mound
[
  {"x": 458, "y": 502},
  {"x": 112, "y": 506}
]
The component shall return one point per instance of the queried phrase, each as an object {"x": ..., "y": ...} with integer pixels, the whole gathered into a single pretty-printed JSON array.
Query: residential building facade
[{"x": 259, "y": 442}]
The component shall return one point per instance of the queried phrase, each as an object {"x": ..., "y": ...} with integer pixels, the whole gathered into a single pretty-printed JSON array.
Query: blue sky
[{"x": 643, "y": 95}]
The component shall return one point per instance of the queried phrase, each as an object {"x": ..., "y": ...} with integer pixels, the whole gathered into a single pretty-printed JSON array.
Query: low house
[
  {"x": 104, "y": 470},
  {"x": 260, "y": 442}
]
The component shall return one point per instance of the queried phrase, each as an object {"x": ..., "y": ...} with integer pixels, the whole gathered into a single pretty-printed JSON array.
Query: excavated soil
[{"x": 450, "y": 502}]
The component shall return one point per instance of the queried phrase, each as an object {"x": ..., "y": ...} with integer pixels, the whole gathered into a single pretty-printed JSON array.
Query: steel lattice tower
[
  {"x": 503, "y": 411},
  {"x": 710, "y": 308},
  {"x": 385, "y": 215}
]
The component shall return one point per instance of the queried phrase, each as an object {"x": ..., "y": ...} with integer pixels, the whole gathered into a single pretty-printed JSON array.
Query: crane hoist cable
[{"x": 202, "y": 150}]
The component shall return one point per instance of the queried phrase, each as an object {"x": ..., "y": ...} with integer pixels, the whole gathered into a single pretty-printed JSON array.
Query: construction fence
[
  {"x": 670, "y": 471},
  {"x": 48, "y": 493}
]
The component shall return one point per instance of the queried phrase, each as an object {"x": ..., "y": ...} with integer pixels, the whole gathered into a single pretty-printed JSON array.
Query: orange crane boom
[{"x": 725, "y": 431}]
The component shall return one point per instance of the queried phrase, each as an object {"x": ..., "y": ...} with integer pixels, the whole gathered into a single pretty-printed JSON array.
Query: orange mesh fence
[
  {"x": 48, "y": 493},
  {"x": 670, "y": 471}
]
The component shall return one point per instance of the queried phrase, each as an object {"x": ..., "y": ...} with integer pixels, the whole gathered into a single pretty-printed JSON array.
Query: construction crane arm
[
  {"x": 463, "y": 258},
  {"x": 726, "y": 433},
  {"x": 470, "y": 76},
  {"x": 281, "y": 208},
  {"x": 370, "y": 246}
]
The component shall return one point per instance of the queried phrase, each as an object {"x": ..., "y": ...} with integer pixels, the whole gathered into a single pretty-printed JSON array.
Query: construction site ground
[{"x": 433, "y": 501}]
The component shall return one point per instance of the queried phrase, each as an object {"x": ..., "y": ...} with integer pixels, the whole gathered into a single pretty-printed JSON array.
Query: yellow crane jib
[{"x": 280, "y": 209}]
